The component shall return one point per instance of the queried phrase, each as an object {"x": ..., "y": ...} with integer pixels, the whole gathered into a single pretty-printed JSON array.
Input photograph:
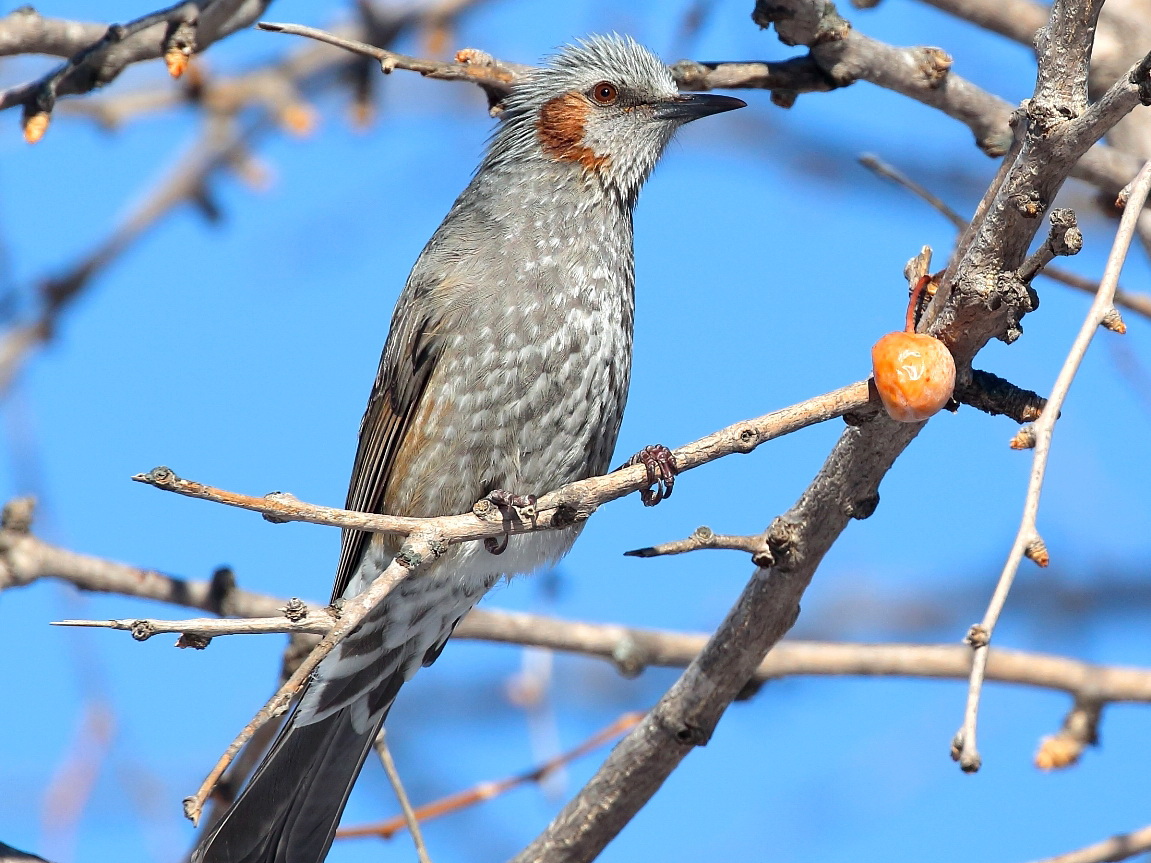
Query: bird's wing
[{"x": 415, "y": 344}]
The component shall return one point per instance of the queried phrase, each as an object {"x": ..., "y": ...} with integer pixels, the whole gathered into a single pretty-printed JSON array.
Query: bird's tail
[{"x": 289, "y": 811}]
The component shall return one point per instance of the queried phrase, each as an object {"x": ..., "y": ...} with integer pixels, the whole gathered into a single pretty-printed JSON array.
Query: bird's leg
[
  {"x": 661, "y": 472},
  {"x": 522, "y": 506}
]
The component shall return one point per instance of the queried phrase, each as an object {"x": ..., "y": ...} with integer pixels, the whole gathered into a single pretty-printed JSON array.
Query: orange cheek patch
[{"x": 561, "y": 130}]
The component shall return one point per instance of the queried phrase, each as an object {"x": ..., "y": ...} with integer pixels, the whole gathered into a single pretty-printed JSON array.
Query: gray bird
[{"x": 506, "y": 368}]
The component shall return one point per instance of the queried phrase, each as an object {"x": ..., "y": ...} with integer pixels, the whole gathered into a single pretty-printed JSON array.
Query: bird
[{"x": 505, "y": 372}]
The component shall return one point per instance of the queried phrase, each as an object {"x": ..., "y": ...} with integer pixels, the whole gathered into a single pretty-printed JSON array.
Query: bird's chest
[
  {"x": 547, "y": 377},
  {"x": 531, "y": 385}
]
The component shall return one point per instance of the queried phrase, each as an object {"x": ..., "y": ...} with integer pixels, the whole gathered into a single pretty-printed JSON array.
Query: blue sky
[{"x": 768, "y": 261}]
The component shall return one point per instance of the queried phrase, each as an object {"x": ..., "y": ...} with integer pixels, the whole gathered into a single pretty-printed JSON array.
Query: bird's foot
[
  {"x": 522, "y": 506},
  {"x": 661, "y": 472}
]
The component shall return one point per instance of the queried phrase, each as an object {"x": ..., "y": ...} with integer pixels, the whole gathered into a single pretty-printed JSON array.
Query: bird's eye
[{"x": 605, "y": 92}]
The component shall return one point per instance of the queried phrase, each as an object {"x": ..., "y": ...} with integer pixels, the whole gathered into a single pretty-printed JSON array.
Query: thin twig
[
  {"x": 418, "y": 550},
  {"x": 705, "y": 538},
  {"x": 1064, "y": 239},
  {"x": 488, "y": 790},
  {"x": 889, "y": 172},
  {"x": 490, "y": 73},
  {"x": 1137, "y": 302},
  {"x": 1027, "y": 540},
  {"x": 315, "y": 623},
  {"x": 411, "y": 819}
]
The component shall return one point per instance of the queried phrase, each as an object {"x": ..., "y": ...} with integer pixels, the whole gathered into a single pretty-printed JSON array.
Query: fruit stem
[{"x": 913, "y": 304}]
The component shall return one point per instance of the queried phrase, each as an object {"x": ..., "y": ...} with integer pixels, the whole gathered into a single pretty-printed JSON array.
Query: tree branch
[
  {"x": 474, "y": 66},
  {"x": 1027, "y": 540},
  {"x": 273, "y": 90},
  {"x": 705, "y": 538},
  {"x": 410, "y": 817},
  {"x": 560, "y": 508},
  {"x": 972, "y": 306},
  {"x": 633, "y": 649},
  {"x": 26, "y": 31},
  {"x": 1136, "y": 302},
  {"x": 428, "y": 538},
  {"x": 1122, "y": 35},
  {"x": 99, "y": 62},
  {"x": 419, "y": 550},
  {"x": 25, "y": 558}
]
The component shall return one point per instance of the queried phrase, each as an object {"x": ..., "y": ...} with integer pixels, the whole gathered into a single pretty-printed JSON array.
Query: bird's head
[{"x": 606, "y": 106}]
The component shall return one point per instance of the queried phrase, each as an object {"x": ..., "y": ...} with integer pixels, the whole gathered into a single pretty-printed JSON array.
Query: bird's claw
[
  {"x": 661, "y": 472},
  {"x": 522, "y": 506}
]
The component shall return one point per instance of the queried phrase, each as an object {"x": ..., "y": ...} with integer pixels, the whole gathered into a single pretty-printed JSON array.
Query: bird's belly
[{"x": 526, "y": 418}]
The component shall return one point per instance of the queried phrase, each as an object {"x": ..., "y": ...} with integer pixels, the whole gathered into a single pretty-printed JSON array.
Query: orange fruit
[{"x": 914, "y": 373}]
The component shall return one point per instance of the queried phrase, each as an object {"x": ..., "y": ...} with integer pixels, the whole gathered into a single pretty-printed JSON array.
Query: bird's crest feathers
[{"x": 552, "y": 112}]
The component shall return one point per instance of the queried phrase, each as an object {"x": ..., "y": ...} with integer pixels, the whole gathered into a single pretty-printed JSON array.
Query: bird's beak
[{"x": 691, "y": 106}]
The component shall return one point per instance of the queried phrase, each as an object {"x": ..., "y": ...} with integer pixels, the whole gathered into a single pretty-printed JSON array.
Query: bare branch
[
  {"x": 1136, "y": 302},
  {"x": 1119, "y": 41},
  {"x": 706, "y": 538},
  {"x": 1016, "y": 19},
  {"x": 319, "y": 622},
  {"x": 418, "y": 550},
  {"x": 1064, "y": 238},
  {"x": 964, "y": 746},
  {"x": 633, "y": 649},
  {"x": 889, "y": 172},
  {"x": 410, "y": 819},
  {"x": 995, "y": 396},
  {"x": 560, "y": 508},
  {"x": 845, "y": 55},
  {"x": 1130, "y": 91},
  {"x": 474, "y": 66},
  {"x": 25, "y": 31},
  {"x": 785, "y": 79},
  {"x": 1063, "y": 48},
  {"x": 120, "y": 45},
  {"x": 25, "y": 558}
]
